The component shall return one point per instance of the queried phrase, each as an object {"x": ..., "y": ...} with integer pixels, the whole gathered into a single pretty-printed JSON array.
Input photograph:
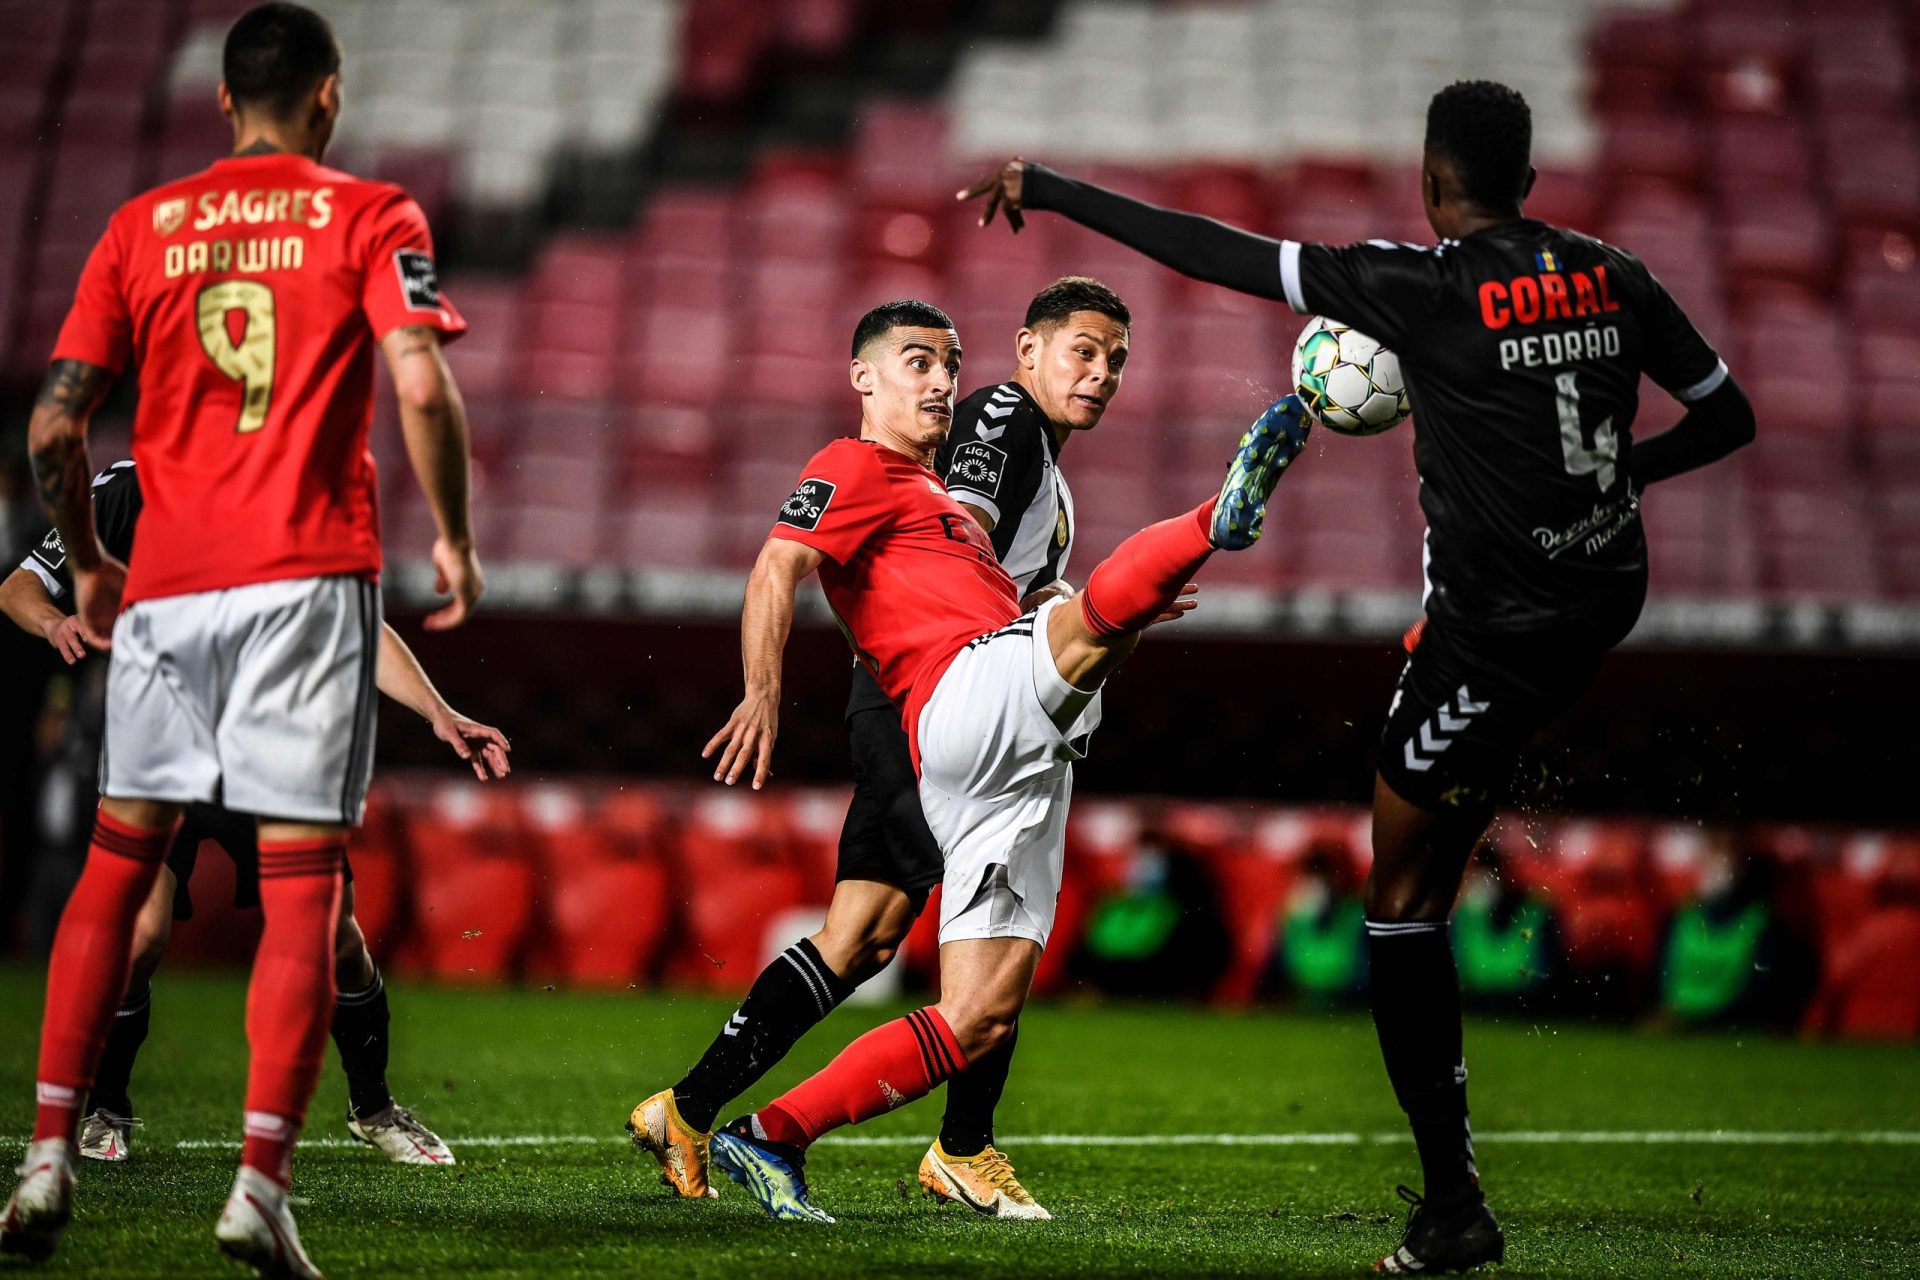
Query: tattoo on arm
[
  {"x": 417, "y": 339},
  {"x": 58, "y": 446}
]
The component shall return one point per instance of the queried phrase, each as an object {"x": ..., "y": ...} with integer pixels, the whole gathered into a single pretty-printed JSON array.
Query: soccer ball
[{"x": 1350, "y": 383}]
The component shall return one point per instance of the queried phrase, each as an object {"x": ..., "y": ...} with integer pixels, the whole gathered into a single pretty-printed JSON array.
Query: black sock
[
  {"x": 1416, "y": 1011},
  {"x": 790, "y": 996},
  {"x": 972, "y": 1096},
  {"x": 115, "y": 1074},
  {"x": 360, "y": 1022}
]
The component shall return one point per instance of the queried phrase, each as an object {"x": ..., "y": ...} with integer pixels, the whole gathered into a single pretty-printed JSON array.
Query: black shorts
[
  {"x": 1467, "y": 704},
  {"x": 238, "y": 835},
  {"x": 885, "y": 837}
]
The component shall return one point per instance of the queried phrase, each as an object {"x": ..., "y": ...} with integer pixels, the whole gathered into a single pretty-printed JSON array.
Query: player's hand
[
  {"x": 1182, "y": 605},
  {"x": 1002, "y": 190},
  {"x": 747, "y": 739},
  {"x": 480, "y": 745},
  {"x": 65, "y": 637},
  {"x": 97, "y": 592},
  {"x": 1058, "y": 589},
  {"x": 456, "y": 572}
]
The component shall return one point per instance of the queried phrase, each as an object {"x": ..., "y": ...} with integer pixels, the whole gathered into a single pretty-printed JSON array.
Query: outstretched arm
[
  {"x": 402, "y": 678},
  {"x": 57, "y": 442},
  {"x": 24, "y": 598},
  {"x": 1715, "y": 425},
  {"x": 1188, "y": 243},
  {"x": 766, "y": 618}
]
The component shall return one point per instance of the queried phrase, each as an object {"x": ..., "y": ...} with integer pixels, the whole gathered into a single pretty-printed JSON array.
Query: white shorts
[
  {"x": 998, "y": 739},
  {"x": 258, "y": 698}
]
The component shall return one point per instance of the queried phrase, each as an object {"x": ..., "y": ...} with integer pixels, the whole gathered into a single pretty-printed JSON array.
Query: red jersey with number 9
[
  {"x": 911, "y": 576},
  {"x": 250, "y": 297}
]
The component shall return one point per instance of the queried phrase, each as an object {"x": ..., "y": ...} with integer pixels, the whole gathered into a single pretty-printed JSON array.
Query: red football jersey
[
  {"x": 251, "y": 297},
  {"x": 911, "y": 576}
]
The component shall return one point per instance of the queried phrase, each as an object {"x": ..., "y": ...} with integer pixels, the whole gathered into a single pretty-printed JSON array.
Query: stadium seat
[
  {"x": 725, "y": 910},
  {"x": 1870, "y": 988}
]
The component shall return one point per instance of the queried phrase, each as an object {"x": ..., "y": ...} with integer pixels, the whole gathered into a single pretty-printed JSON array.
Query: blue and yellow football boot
[
  {"x": 774, "y": 1173},
  {"x": 1267, "y": 449}
]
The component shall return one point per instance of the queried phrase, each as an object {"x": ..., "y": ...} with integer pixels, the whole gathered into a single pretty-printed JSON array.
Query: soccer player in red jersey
[
  {"x": 251, "y": 298},
  {"x": 996, "y": 704}
]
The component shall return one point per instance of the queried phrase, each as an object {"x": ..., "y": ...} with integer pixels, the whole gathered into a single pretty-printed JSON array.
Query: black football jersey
[
  {"x": 116, "y": 511},
  {"x": 1001, "y": 456},
  {"x": 1523, "y": 346}
]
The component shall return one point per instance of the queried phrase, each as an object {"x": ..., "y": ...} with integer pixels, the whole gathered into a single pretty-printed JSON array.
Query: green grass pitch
[{"x": 1828, "y": 1188}]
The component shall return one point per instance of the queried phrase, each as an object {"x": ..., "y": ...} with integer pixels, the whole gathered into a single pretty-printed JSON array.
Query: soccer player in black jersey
[
  {"x": 1523, "y": 346},
  {"x": 1000, "y": 462},
  {"x": 29, "y": 596}
]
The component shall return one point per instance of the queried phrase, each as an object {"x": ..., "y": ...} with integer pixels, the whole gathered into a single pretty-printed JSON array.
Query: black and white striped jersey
[
  {"x": 1001, "y": 457},
  {"x": 116, "y": 512}
]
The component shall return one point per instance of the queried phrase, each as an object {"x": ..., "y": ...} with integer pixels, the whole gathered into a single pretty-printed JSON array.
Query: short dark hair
[
  {"x": 274, "y": 56},
  {"x": 904, "y": 314},
  {"x": 1053, "y": 304},
  {"x": 1486, "y": 130}
]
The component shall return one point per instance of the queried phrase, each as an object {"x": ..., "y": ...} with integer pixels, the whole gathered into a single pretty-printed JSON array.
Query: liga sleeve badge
[
  {"x": 808, "y": 503},
  {"x": 977, "y": 466},
  {"x": 419, "y": 282}
]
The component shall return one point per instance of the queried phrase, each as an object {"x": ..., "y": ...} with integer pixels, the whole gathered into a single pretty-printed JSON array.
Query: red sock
[
  {"x": 888, "y": 1067},
  {"x": 1146, "y": 573},
  {"x": 290, "y": 1001},
  {"x": 87, "y": 979}
]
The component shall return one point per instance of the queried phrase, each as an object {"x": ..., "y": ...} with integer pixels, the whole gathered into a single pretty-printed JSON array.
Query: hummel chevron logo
[
  {"x": 996, "y": 410},
  {"x": 734, "y": 1025},
  {"x": 1436, "y": 735},
  {"x": 1006, "y": 395}
]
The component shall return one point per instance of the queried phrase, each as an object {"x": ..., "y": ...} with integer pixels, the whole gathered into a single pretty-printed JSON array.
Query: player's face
[
  {"x": 1073, "y": 368},
  {"x": 911, "y": 375}
]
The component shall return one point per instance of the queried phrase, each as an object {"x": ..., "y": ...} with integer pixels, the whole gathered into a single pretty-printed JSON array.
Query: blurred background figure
[
  {"x": 1321, "y": 956},
  {"x": 1730, "y": 958},
  {"x": 1506, "y": 941},
  {"x": 1158, "y": 934}
]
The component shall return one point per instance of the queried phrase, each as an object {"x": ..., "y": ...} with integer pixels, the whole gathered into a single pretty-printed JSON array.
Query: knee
[
  {"x": 150, "y": 938},
  {"x": 860, "y": 952},
  {"x": 352, "y": 963},
  {"x": 981, "y": 1029}
]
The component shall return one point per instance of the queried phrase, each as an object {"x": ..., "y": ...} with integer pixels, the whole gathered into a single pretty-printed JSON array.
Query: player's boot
[
  {"x": 774, "y": 1173},
  {"x": 403, "y": 1139},
  {"x": 1452, "y": 1239},
  {"x": 984, "y": 1183},
  {"x": 42, "y": 1203},
  {"x": 1270, "y": 445},
  {"x": 661, "y": 1131},
  {"x": 257, "y": 1228},
  {"x": 106, "y": 1136}
]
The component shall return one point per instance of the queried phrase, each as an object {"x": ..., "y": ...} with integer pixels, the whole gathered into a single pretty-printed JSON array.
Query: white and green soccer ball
[{"x": 1350, "y": 383}]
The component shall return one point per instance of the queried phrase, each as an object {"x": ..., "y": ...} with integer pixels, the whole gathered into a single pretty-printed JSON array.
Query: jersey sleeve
[
  {"x": 992, "y": 459},
  {"x": 402, "y": 285},
  {"x": 841, "y": 502},
  {"x": 99, "y": 326},
  {"x": 1383, "y": 288},
  {"x": 1678, "y": 358},
  {"x": 116, "y": 510}
]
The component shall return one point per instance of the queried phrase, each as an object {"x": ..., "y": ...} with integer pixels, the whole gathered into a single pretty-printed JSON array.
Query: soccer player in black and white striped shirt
[{"x": 1000, "y": 462}]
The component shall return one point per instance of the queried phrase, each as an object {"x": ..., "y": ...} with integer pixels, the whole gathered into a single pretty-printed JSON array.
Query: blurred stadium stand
[
  {"x": 1764, "y": 158},
  {"x": 613, "y": 883}
]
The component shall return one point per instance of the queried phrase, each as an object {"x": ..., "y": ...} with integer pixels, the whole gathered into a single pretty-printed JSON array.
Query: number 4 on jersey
[{"x": 1600, "y": 460}]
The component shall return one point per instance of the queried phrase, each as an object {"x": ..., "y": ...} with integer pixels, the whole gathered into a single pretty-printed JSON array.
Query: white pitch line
[{"x": 1537, "y": 1137}]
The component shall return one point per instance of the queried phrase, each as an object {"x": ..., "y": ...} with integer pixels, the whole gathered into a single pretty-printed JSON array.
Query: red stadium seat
[
  {"x": 726, "y": 909},
  {"x": 606, "y": 922},
  {"x": 1871, "y": 985}
]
